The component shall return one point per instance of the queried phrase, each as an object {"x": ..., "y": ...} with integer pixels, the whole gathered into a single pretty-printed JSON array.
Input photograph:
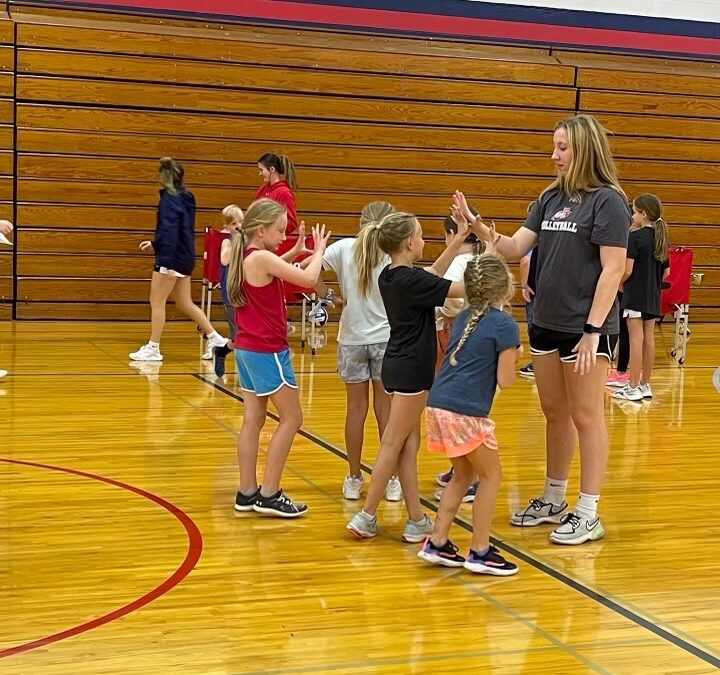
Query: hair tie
[{"x": 378, "y": 225}]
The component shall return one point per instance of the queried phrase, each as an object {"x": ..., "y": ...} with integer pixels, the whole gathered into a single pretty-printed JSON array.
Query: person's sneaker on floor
[
  {"x": 245, "y": 502},
  {"x": 469, "y": 496},
  {"x": 645, "y": 390},
  {"x": 576, "y": 529},
  {"x": 629, "y": 393},
  {"x": 290, "y": 328},
  {"x": 537, "y": 511},
  {"x": 445, "y": 555},
  {"x": 279, "y": 504},
  {"x": 616, "y": 379},
  {"x": 147, "y": 353},
  {"x": 393, "y": 490},
  {"x": 352, "y": 487},
  {"x": 416, "y": 531},
  {"x": 363, "y": 525},
  {"x": 527, "y": 371},
  {"x": 216, "y": 340},
  {"x": 444, "y": 477},
  {"x": 489, "y": 563}
]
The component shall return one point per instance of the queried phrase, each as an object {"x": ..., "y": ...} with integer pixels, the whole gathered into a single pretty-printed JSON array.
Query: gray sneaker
[
  {"x": 363, "y": 526},
  {"x": 538, "y": 512},
  {"x": 416, "y": 531},
  {"x": 575, "y": 529}
]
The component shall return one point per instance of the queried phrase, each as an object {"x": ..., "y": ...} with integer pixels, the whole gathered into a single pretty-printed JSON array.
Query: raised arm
[{"x": 307, "y": 277}]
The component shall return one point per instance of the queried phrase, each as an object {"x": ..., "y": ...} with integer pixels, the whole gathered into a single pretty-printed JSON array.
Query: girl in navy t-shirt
[{"x": 481, "y": 354}]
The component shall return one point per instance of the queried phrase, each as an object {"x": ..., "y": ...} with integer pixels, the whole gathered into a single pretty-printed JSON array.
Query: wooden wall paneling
[
  {"x": 277, "y": 78},
  {"x": 673, "y": 105},
  {"x": 622, "y": 79}
]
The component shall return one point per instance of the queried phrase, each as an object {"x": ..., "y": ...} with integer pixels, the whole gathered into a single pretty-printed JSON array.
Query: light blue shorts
[{"x": 263, "y": 373}]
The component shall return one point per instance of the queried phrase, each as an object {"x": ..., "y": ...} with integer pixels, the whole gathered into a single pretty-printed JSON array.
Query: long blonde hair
[
  {"x": 385, "y": 235},
  {"x": 652, "y": 207},
  {"x": 592, "y": 164},
  {"x": 367, "y": 254},
  {"x": 261, "y": 213},
  {"x": 487, "y": 282}
]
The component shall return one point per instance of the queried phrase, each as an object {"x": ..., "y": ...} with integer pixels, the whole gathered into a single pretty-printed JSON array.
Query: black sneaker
[
  {"x": 219, "y": 354},
  {"x": 245, "y": 502},
  {"x": 527, "y": 371},
  {"x": 445, "y": 555},
  {"x": 278, "y": 505},
  {"x": 490, "y": 563}
]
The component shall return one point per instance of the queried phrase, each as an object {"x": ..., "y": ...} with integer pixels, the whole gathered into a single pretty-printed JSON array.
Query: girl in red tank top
[{"x": 255, "y": 279}]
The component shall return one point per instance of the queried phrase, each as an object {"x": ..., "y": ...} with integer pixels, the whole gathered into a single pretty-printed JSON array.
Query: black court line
[{"x": 537, "y": 564}]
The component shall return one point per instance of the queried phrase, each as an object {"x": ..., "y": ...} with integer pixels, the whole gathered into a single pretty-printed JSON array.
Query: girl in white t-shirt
[{"x": 362, "y": 337}]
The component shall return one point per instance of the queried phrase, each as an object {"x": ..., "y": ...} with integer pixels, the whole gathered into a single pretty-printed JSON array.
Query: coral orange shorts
[{"x": 457, "y": 435}]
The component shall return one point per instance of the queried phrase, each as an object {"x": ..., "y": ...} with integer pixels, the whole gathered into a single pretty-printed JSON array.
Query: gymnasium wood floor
[{"x": 120, "y": 551}]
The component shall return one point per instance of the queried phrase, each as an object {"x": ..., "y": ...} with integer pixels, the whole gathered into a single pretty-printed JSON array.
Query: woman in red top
[
  {"x": 255, "y": 286},
  {"x": 279, "y": 184}
]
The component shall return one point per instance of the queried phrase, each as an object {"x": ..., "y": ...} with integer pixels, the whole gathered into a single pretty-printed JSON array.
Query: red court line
[{"x": 191, "y": 558}]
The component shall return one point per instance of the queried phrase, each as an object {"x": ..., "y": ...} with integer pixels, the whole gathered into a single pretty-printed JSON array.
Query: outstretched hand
[
  {"x": 476, "y": 224},
  {"x": 320, "y": 238},
  {"x": 300, "y": 248},
  {"x": 146, "y": 246}
]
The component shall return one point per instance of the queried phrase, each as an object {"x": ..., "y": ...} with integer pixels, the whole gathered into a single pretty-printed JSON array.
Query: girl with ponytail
[
  {"x": 279, "y": 183},
  {"x": 410, "y": 295},
  {"x": 362, "y": 339},
  {"x": 483, "y": 348},
  {"x": 645, "y": 268}
]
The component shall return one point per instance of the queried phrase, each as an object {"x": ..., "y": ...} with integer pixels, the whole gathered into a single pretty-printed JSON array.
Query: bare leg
[
  {"x": 249, "y": 440},
  {"x": 404, "y": 418},
  {"x": 463, "y": 475},
  {"x": 183, "y": 301},
  {"x": 486, "y": 463},
  {"x": 161, "y": 286},
  {"x": 635, "y": 331},
  {"x": 586, "y": 394},
  {"x": 381, "y": 406},
  {"x": 287, "y": 403},
  {"x": 408, "y": 474},
  {"x": 356, "y": 394},
  {"x": 560, "y": 432},
  {"x": 648, "y": 352}
]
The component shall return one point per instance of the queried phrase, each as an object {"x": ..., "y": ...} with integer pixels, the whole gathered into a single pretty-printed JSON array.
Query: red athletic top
[
  {"x": 281, "y": 192},
  {"x": 262, "y": 321}
]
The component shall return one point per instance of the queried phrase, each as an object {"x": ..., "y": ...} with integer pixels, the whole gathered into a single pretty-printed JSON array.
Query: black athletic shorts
[{"x": 546, "y": 341}]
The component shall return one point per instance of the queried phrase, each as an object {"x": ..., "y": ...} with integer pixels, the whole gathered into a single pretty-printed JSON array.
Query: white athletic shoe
[
  {"x": 211, "y": 343},
  {"x": 352, "y": 487},
  {"x": 575, "y": 529},
  {"x": 146, "y": 353},
  {"x": 646, "y": 391},
  {"x": 393, "y": 490},
  {"x": 629, "y": 393}
]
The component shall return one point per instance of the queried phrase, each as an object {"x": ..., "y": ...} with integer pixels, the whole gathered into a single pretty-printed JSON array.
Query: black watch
[{"x": 589, "y": 328}]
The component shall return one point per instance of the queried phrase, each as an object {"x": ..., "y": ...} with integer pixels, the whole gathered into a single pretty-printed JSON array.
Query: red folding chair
[
  {"x": 675, "y": 297},
  {"x": 212, "y": 242}
]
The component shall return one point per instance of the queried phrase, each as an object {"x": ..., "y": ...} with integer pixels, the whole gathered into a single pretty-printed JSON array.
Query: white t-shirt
[
  {"x": 456, "y": 272},
  {"x": 363, "y": 321}
]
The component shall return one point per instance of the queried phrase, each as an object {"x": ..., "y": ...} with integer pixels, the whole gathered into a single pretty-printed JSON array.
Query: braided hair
[{"x": 487, "y": 282}]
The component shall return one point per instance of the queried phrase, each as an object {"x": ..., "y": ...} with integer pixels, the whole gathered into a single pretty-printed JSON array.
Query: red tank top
[{"x": 262, "y": 321}]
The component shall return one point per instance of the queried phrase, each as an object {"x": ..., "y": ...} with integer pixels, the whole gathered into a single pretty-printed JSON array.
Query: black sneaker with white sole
[
  {"x": 279, "y": 505},
  {"x": 245, "y": 502}
]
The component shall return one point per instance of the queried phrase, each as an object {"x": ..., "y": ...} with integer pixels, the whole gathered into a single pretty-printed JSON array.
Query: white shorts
[{"x": 170, "y": 273}]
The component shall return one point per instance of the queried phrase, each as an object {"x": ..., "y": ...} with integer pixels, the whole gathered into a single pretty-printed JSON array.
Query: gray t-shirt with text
[{"x": 568, "y": 268}]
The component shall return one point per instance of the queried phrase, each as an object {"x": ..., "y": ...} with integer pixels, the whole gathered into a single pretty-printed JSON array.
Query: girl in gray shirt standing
[{"x": 580, "y": 225}]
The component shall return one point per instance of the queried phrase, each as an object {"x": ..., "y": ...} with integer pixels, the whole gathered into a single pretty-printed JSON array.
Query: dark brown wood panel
[
  {"x": 673, "y": 105},
  {"x": 88, "y": 266},
  {"x": 223, "y": 75},
  {"x": 6, "y": 288}
]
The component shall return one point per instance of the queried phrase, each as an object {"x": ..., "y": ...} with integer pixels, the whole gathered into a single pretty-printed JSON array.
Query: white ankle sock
[
  {"x": 213, "y": 335},
  {"x": 587, "y": 505},
  {"x": 555, "y": 491},
  {"x": 153, "y": 345}
]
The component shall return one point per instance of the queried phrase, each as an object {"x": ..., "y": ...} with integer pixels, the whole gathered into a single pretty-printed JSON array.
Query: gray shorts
[{"x": 360, "y": 363}]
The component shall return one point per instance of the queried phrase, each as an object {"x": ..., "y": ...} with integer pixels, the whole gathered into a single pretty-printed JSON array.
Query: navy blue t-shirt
[{"x": 469, "y": 387}]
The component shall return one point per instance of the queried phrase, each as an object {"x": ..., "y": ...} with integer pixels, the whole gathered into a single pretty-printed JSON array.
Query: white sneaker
[
  {"x": 576, "y": 529},
  {"x": 352, "y": 487},
  {"x": 146, "y": 353},
  {"x": 645, "y": 390},
  {"x": 538, "y": 511},
  {"x": 211, "y": 343},
  {"x": 393, "y": 490},
  {"x": 629, "y": 393},
  {"x": 3, "y": 373}
]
